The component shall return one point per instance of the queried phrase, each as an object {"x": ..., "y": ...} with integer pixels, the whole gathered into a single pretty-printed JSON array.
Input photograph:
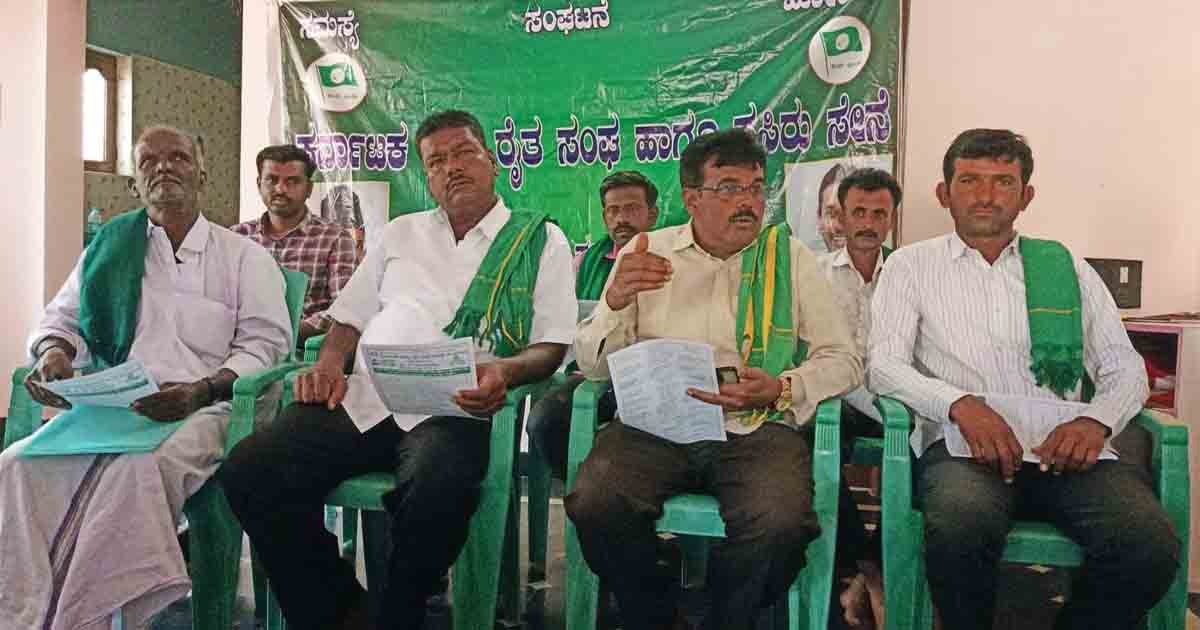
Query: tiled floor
[{"x": 1027, "y": 600}]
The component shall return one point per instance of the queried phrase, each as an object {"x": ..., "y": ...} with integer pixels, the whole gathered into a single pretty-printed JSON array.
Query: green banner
[{"x": 572, "y": 90}]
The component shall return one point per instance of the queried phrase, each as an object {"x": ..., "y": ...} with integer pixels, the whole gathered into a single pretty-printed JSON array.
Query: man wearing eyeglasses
[{"x": 688, "y": 282}]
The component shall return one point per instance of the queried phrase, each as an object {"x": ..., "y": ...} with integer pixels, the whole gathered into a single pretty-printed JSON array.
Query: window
[{"x": 100, "y": 112}]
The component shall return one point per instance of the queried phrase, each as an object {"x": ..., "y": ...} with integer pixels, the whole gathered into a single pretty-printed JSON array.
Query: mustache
[
  {"x": 745, "y": 214},
  {"x": 870, "y": 233}
]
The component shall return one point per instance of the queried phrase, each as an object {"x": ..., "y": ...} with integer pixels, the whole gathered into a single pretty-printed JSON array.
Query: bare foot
[
  {"x": 874, "y": 583},
  {"x": 856, "y": 604}
]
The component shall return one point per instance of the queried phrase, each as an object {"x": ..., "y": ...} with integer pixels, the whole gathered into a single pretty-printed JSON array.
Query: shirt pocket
[{"x": 205, "y": 326}]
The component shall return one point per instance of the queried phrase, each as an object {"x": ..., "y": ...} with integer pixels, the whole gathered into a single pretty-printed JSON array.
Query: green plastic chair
[
  {"x": 1029, "y": 542},
  {"x": 538, "y": 484},
  {"x": 699, "y": 515},
  {"x": 214, "y": 534},
  {"x": 486, "y": 571}
]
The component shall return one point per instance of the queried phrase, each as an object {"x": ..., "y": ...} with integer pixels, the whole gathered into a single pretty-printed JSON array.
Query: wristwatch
[{"x": 784, "y": 402}]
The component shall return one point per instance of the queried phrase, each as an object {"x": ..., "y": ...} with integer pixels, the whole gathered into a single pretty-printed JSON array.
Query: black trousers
[
  {"x": 276, "y": 481},
  {"x": 1131, "y": 550},
  {"x": 764, "y": 484}
]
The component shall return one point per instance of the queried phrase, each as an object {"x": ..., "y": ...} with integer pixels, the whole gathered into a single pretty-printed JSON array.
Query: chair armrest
[
  {"x": 897, "y": 459},
  {"x": 246, "y": 390},
  {"x": 827, "y": 451},
  {"x": 23, "y": 412},
  {"x": 584, "y": 420},
  {"x": 312, "y": 348},
  {"x": 1169, "y": 464}
]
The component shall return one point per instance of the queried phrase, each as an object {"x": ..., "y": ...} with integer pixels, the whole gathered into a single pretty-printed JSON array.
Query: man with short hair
[
  {"x": 341, "y": 206},
  {"x": 85, "y": 535},
  {"x": 630, "y": 202},
  {"x": 469, "y": 268},
  {"x": 296, "y": 239},
  {"x": 867, "y": 200},
  {"x": 971, "y": 328},
  {"x": 696, "y": 282}
]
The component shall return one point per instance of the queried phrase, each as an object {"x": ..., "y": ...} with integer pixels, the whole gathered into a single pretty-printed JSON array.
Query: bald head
[{"x": 169, "y": 173}]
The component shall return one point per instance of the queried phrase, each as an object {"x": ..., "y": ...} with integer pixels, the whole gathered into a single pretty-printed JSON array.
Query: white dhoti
[{"x": 84, "y": 535}]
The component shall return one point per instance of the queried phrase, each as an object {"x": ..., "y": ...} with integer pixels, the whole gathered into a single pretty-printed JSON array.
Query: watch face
[{"x": 727, "y": 376}]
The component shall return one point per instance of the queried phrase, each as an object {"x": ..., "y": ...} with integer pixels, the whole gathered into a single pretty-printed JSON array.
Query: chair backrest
[{"x": 297, "y": 288}]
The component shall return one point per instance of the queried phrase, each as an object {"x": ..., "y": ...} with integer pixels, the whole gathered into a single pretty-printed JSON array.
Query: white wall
[
  {"x": 42, "y": 197},
  {"x": 1106, "y": 92}
]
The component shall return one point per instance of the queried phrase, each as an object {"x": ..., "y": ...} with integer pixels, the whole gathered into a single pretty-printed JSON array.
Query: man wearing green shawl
[
  {"x": 84, "y": 535},
  {"x": 630, "y": 203},
  {"x": 469, "y": 268},
  {"x": 973, "y": 330},
  {"x": 752, "y": 294}
]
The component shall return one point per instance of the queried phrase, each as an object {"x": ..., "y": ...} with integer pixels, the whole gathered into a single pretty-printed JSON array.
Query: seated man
[
  {"x": 630, "y": 204},
  {"x": 687, "y": 282},
  {"x": 197, "y": 305},
  {"x": 961, "y": 321},
  {"x": 867, "y": 202},
  {"x": 297, "y": 239},
  {"x": 431, "y": 279}
]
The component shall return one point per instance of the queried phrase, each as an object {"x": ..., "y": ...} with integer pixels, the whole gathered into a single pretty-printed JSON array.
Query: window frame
[{"x": 106, "y": 65}]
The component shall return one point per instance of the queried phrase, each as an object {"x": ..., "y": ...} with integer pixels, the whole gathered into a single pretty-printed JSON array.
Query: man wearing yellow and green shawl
[
  {"x": 754, "y": 295},
  {"x": 468, "y": 268}
]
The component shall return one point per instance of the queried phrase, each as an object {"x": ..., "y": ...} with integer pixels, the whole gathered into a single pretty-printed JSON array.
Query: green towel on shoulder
[
  {"x": 594, "y": 270},
  {"x": 1055, "y": 316},
  {"x": 497, "y": 310},
  {"x": 766, "y": 331},
  {"x": 111, "y": 288}
]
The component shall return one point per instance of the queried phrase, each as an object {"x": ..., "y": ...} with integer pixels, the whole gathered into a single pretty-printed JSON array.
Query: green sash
[
  {"x": 497, "y": 310},
  {"x": 111, "y": 288},
  {"x": 1055, "y": 316},
  {"x": 594, "y": 270},
  {"x": 766, "y": 332}
]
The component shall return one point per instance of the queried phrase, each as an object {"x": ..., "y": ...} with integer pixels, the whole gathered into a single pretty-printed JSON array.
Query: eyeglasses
[{"x": 731, "y": 191}]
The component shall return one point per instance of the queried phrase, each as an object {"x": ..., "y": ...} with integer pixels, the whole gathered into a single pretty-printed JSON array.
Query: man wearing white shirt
[
  {"x": 867, "y": 200},
  {"x": 85, "y": 535},
  {"x": 414, "y": 288},
  {"x": 961, "y": 316}
]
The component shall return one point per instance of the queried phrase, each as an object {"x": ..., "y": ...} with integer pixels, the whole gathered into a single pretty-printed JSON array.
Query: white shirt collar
[
  {"x": 197, "y": 236},
  {"x": 957, "y": 247},
  {"x": 489, "y": 226}
]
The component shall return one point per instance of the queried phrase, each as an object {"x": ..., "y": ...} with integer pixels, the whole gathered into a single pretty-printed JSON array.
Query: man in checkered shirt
[{"x": 297, "y": 239}]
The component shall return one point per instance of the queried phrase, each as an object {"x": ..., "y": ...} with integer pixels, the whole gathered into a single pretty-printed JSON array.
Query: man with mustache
[
  {"x": 84, "y": 535},
  {"x": 630, "y": 203},
  {"x": 867, "y": 200},
  {"x": 469, "y": 268},
  {"x": 697, "y": 282},
  {"x": 297, "y": 239},
  {"x": 961, "y": 324}
]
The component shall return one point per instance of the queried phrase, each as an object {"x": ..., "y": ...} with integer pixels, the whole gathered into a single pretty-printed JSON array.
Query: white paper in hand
[
  {"x": 1031, "y": 420},
  {"x": 117, "y": 386},
  {"x": 651, "y": 379},
  {"x": 422, "y": 379}
]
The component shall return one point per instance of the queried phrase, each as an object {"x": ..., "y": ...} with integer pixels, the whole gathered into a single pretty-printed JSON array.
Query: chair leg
[
  {"x": 215, "y": 549},
  {"x": 583, "y": 586},
  {"x": 477, "y": 571},
  {"x": 539, "y": 516},
  {"x": 349, "y": 533},
  {"x": 508, "y": 611}
]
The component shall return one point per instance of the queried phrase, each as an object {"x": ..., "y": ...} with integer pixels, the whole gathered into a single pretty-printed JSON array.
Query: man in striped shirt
[
  {"x": 295, "y": 238},
  {"x": 952, "y": 337}
]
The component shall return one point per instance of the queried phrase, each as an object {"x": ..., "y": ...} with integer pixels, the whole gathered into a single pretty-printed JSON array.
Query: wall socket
[{"x": 1123, "y": 279}]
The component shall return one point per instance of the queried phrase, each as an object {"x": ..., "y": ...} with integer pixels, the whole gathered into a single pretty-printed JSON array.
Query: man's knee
[
  {"x": 596, "y": 501},
  {"x": 960, "y": 520},
  {"x": 1145, "y": 545}
]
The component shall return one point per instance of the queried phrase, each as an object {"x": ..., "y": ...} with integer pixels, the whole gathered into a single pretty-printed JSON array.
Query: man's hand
[
  {"x": 638, "y": 271},
  {"x": 175, "y": 401},
  {"x": 755, "y": 389},
  {"x": 53, "y": 365},
  {"x": 490, "y": 396},
  {"x": 991, "y": 440},
  {"x": 1073, "y": 446},
  {"x": 323, "y": 383}
]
